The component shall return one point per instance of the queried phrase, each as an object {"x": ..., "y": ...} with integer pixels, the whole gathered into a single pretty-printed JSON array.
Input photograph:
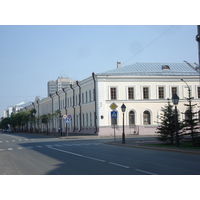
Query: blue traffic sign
[
  {"x": 67, "y": 121},
  {"x": 113, "y": 114}
]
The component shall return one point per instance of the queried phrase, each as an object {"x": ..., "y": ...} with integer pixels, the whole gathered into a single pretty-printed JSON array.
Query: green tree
[
  {"x": 167, "y": 125},
  {"x": 45, "y": 120},
  {"x": 191, "y": 122},
  {"x": 4, "y": 123}
]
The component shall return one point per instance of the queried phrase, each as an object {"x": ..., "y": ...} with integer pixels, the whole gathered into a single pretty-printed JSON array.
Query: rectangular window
[
  {"x": 145, "y": 93},
  {"x": 86, "y": 95},
  {"x": 161, "y": 92},
  {"x": 90, "y": 96},
  {"x": 130, "y": 93},
  {"x": 82, "y": 98},
  {"x": 113, "y": 121},
  {"x": 174, "y": 90},
  {"x": 198, "y": 91},
  {"x": 113, "y": 93}
]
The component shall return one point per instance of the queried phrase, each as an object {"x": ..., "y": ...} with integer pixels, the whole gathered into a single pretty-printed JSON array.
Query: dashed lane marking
[
  {"x": 118, "y": 165},
  {"x": 146, "y": 172}
]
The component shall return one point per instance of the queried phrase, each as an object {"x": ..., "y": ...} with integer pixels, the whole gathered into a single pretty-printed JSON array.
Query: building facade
[
  {"x": 143, "y": 87},
  {"x": 55, "y": 86}
]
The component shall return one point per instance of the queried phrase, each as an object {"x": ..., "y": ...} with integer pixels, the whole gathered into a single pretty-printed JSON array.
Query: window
[
  {"x": 187, "y": 115},
  {"x": 82, "y": 98},
  {"x": 86, "y": 119},
  {"x": 198, "y": 92},
  {"x": 83, "y": 120},
  {"x": 130, "y": 93},
  {"x": 145, "y": 93},
  {"x": 90, "y": 119},
  {"x": 161, "y": 92},
  {"x": 146, "y": 118},
  {"x": 86, "y": 97},
  {"x": 113, "y": 93},
  {"x": 131, "y": 118},
  {"x": 174, "y": 90},
  {"x": 113, "y": 121},
  {"x": 90, "y": 96}
]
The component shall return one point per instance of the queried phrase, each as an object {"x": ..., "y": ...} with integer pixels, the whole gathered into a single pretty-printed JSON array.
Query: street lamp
[
  {"x": 123, "y": 107},
  {"x": 175, "y": 100}
]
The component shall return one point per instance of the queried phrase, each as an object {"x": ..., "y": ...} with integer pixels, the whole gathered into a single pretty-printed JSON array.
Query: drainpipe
[
  {"x": 95, "y": 113},
  {"x": 52, "y": 111},
  {"x": 73, "y": 105},
  {"x": 79, "y": 104},
  {"x": 60, "y": 127}
]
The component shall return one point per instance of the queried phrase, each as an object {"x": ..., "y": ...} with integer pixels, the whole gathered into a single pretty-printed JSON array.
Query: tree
[
  {"x": 167, "y": 126},
  {"x": 190, "y": 123},
  {"x": 45, "y": 120},
  {"x": 4, "y": 123}
]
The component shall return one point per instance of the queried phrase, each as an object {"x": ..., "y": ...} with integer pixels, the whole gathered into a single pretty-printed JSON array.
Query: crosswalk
[
  {"x": 17, "y": 140},
  {"x": 36, "y": 146}
]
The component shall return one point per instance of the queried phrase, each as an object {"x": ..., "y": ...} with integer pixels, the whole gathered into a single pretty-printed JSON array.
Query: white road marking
[
  {"x": 10, "y": 149},
  {"x": 13, "y": 140},
  {"x": 76, "y": 154},
  {"x": 0, "y": 141},
  {"x": 2, "y": 149},
  {"x": 118, "y": 165},
  {"x": 145, "y": 172},
  {"x": 19, "y": 147},
  {"x": 48, "y": 145}
]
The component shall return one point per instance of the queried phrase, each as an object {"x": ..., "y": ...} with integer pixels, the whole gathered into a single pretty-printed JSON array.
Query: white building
[
  {"x": 143, "y": 87},
  {"x": 55, "y": 86},
  {"x": 16, "y": 108}
]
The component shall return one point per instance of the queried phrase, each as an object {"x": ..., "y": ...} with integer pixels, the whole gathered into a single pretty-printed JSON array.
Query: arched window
[
  {"x": 146, "y": 117},
  {"x": 131, "y": 118},
  {"x": 187, "y": 115},
  {"x": 199, "y": 115}
]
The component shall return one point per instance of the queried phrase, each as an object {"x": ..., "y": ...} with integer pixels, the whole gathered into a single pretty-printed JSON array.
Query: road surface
[{"x": 31, "y": 154}]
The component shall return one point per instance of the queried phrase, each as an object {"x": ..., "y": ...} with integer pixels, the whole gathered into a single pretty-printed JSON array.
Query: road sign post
[{"x": 114, "y": 120}]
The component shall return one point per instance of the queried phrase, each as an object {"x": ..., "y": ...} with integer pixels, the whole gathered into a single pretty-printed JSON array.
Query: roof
[{"x": 154, "y": 69}]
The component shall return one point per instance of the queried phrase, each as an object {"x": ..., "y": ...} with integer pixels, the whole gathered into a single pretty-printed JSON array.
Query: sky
[{"x": 31, "y": 55}]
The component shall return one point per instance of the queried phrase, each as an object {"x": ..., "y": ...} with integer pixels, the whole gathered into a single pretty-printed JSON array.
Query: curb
[{"x": 156, "y": 148}]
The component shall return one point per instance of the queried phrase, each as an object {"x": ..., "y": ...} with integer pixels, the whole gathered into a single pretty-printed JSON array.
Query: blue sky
[{"x": 30, "y": 56}]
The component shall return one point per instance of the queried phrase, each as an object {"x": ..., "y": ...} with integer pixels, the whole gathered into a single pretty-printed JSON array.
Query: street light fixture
[
  {"x": 123, "y": 107},
  {"x": 175, "y": 100}
]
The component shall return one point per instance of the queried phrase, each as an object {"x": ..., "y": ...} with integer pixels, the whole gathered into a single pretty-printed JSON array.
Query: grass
[{"x": 182, "y": 146}]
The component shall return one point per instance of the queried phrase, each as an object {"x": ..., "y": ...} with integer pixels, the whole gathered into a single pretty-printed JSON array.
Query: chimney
[{"x": 118, "y": 64}]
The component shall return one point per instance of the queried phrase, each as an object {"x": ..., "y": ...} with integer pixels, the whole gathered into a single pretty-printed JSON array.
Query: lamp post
[
  {"x": 123, "y": 107},
  {"x": 175, "y": 100}
]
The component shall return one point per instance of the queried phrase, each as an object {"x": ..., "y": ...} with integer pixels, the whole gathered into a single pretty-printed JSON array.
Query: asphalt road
[{"x": 31, "y": 154}]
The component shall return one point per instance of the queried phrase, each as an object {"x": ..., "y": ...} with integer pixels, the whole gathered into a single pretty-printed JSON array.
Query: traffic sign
[
  {"x": 64, "y": 116},
  {"x": 69, "y": 116},
  {"x": 113, "y": 114},
  {"x": 67, "y": 121},
  {"x": 113, "y": 106}
]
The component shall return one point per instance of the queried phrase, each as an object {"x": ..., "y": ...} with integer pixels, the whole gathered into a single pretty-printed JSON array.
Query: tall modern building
[{"x": 61, "y": 82}]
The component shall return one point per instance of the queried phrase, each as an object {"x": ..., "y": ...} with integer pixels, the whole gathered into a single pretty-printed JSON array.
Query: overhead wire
[{"x": 149, "y": 44}]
